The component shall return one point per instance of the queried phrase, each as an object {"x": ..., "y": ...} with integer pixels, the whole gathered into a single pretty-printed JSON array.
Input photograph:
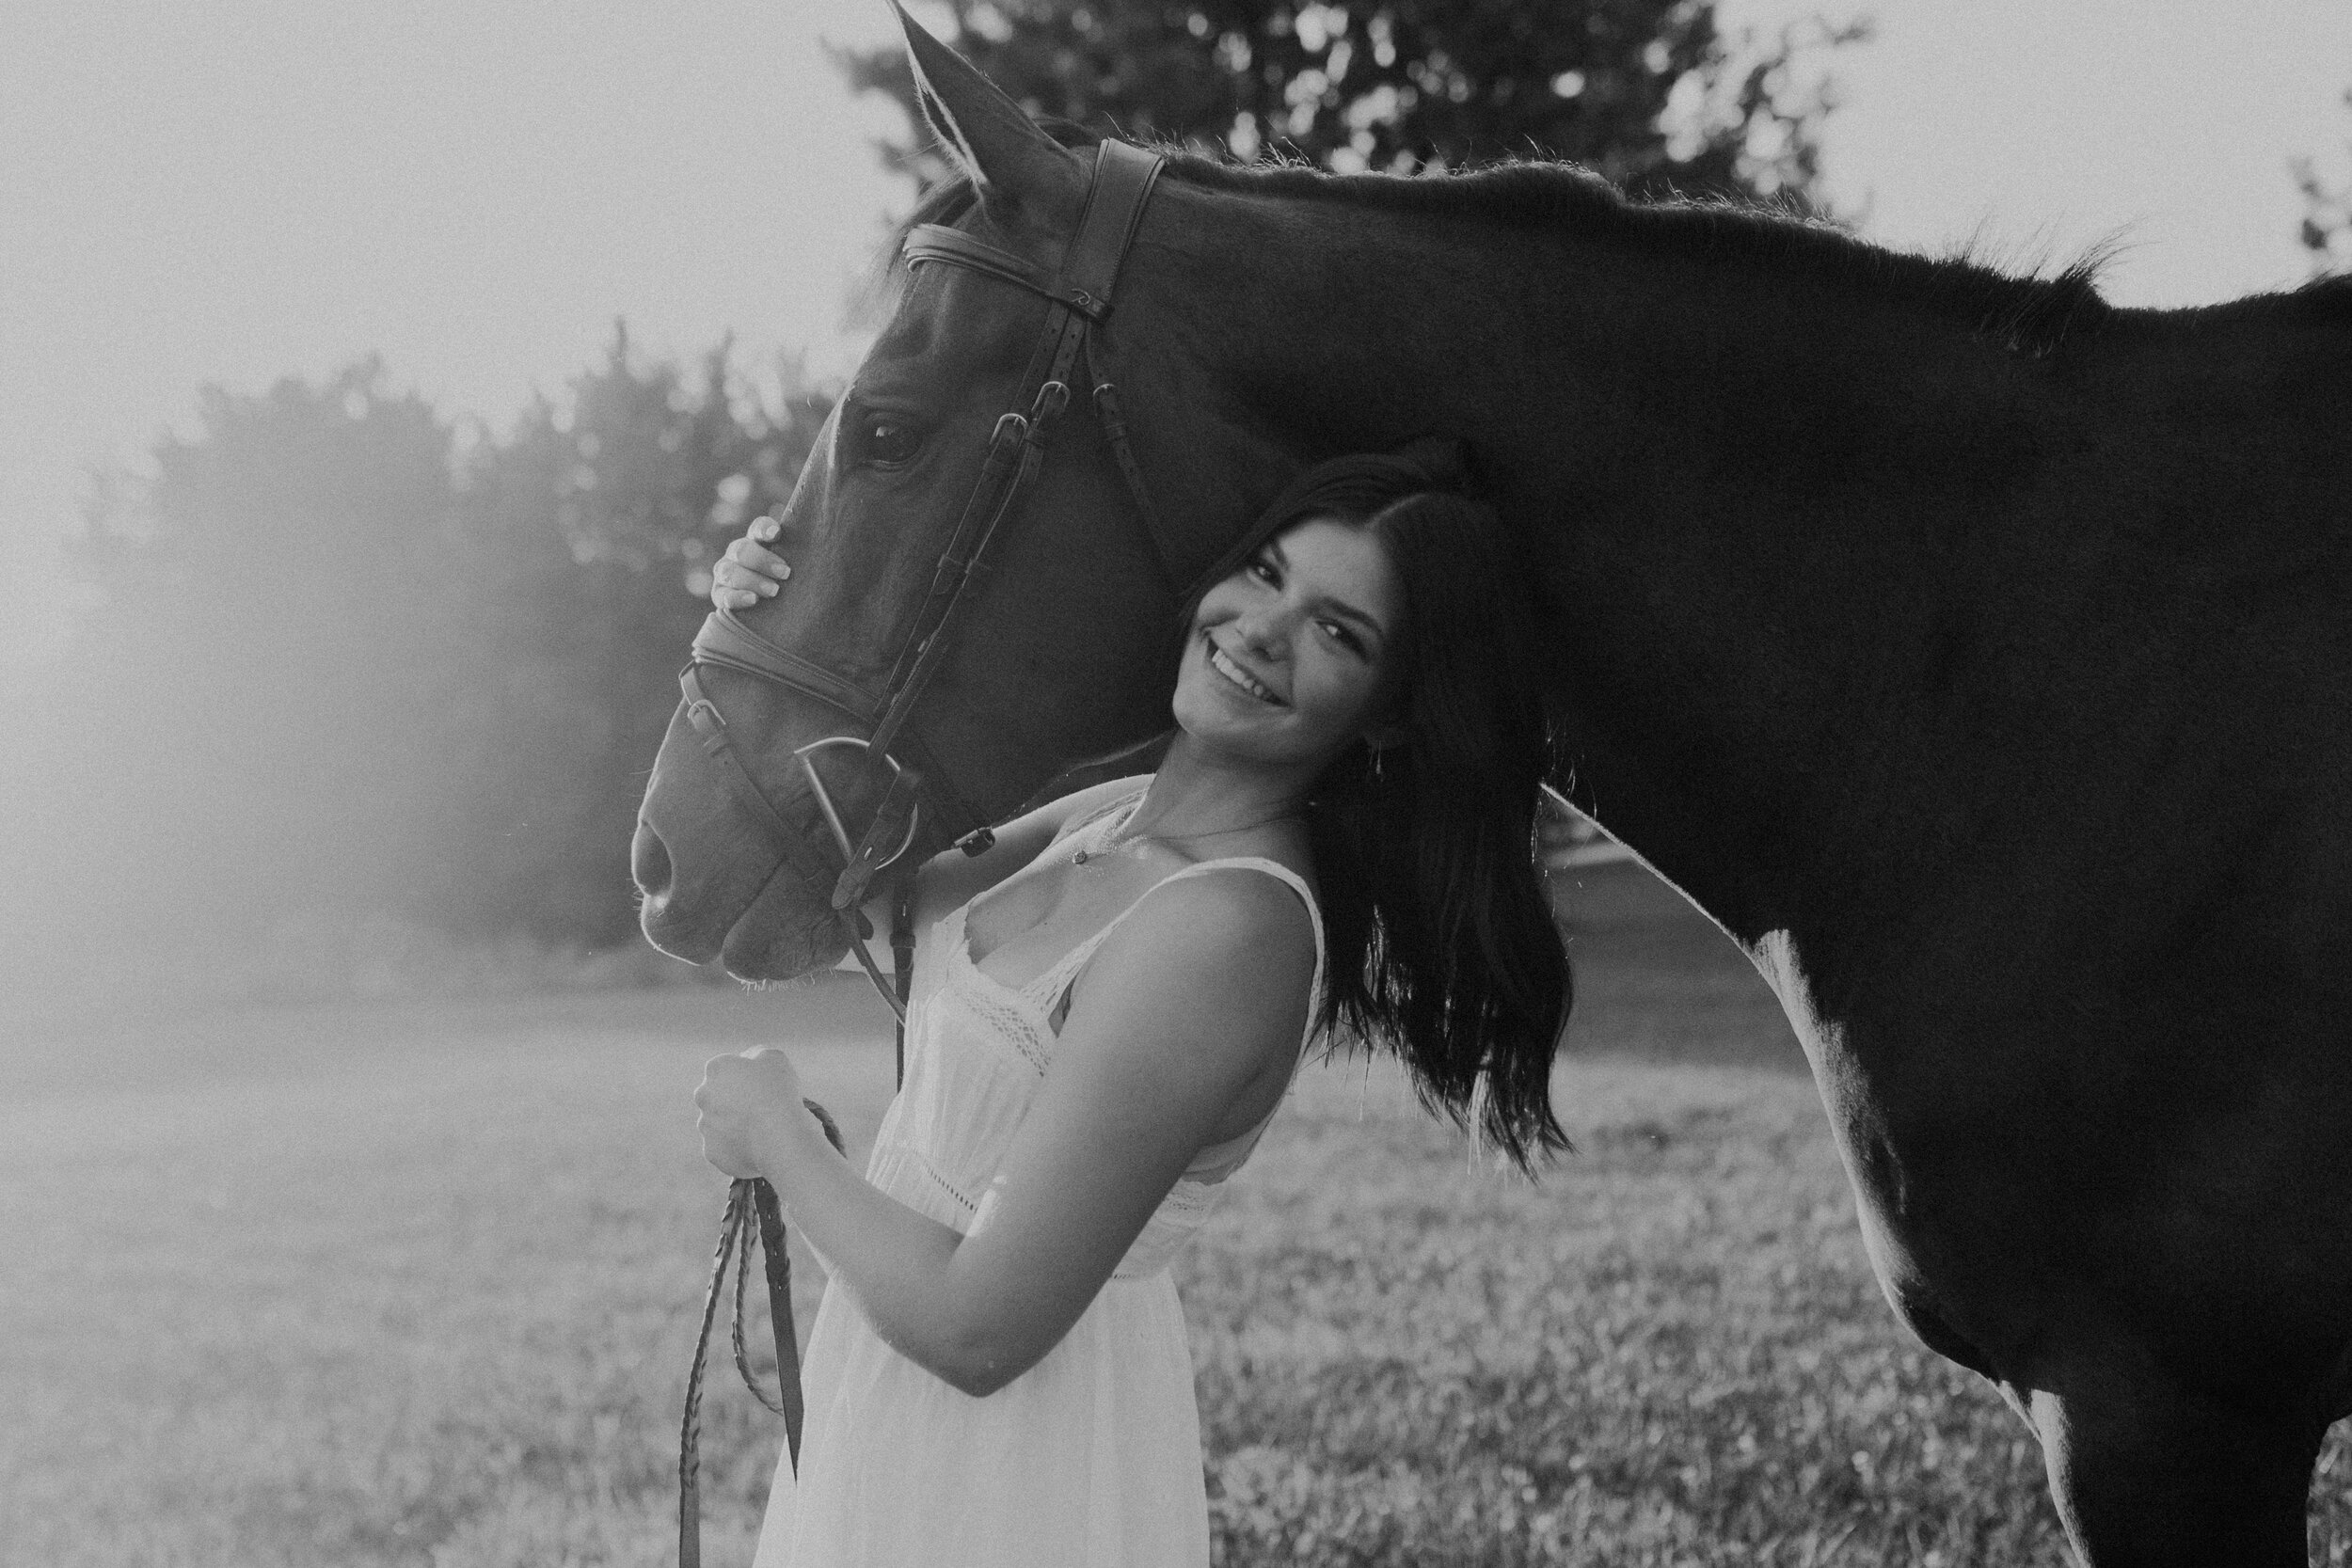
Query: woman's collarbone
[{"x": 1073, "y": 903}]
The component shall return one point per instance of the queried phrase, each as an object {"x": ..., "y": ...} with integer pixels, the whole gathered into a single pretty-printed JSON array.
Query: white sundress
[{"x": 1092, "y": 1458}]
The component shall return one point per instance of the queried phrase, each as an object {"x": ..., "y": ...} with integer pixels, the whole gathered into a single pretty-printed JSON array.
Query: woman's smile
[
  {"x": 1227, "y": 666},
  {"x": 1293, "y": 647}
]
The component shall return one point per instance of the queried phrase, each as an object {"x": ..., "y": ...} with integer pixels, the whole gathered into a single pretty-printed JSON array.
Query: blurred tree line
[
  {"x": 371, "y": 660},
  {"x": 1647, "y": 93},
  {"x": 376, "y": 666},
  {"x": 2327, "y": 228}
]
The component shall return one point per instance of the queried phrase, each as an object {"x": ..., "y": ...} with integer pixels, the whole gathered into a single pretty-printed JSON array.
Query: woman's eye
[
  {"x": 1344, "y": 637},
  {"x": 1264, "y": 571},
  {"x": 889, "y": 442}
]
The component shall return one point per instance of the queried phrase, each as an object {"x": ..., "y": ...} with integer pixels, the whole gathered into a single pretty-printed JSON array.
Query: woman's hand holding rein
[
  {"x": 754, "y": 1119},
  {"x": 749, "y": 571}
]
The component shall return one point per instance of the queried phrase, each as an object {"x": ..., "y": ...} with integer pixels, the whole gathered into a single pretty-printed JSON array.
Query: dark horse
[{"x": 1977, "y": 654}]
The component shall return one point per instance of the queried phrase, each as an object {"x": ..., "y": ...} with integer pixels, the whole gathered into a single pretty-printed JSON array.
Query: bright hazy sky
[{"x": 234, "y": 190}]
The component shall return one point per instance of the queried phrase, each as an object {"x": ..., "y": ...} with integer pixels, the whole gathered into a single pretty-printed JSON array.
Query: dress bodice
[{"x": 977, "y": 1050}]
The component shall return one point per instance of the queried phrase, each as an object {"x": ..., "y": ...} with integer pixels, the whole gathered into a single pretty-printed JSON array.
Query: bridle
[{"x": 1079, "y": 300}]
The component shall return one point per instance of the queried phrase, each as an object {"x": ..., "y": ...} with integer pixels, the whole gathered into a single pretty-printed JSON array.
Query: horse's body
[{"x": 1977, "y": 655}]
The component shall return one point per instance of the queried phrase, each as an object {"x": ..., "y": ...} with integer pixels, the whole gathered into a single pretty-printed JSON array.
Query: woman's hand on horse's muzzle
[{"x": 748, "y": 572}]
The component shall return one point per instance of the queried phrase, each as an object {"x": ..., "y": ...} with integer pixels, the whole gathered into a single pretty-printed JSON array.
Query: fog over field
[{"x": 415, "y": 1283}]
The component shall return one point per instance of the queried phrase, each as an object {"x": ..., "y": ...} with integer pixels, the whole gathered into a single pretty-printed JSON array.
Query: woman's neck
[{"x": 1197, "y": 792}]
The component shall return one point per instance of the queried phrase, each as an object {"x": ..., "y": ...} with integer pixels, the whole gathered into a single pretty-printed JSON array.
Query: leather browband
[
  {"x": 1124, "y": 177},
  {"x": 936, "y": 242}
]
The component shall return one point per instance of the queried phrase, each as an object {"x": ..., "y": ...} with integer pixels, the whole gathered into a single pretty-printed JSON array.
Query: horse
[{"x": 1975, "y": 653}]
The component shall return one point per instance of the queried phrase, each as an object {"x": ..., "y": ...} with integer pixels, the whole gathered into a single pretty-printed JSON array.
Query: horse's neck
[{"x": 1745, "y": 486}]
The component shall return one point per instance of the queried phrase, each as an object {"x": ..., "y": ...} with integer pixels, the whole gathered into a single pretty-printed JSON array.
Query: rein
[
  {"x": 750, "y": 1204},
  {"x": 1079, "y": 299}
]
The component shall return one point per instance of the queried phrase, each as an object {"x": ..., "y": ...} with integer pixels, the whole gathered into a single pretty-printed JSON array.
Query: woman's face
[{"x": 1291, "y": 657}]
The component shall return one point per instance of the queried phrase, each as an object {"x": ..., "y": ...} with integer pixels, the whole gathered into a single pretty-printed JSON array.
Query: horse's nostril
[{"x": 649, "y": 863}]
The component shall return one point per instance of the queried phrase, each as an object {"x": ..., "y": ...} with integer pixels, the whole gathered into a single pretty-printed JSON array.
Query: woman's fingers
[
  {"x": 729, "y": 574},
  {"x": 750, "y": 555},
  {"x": 730, "y": 587},
  {"x": 760, "y": 558},
  {"x": 747, "y": 571},
  {"x": 746, "y": 1103}
]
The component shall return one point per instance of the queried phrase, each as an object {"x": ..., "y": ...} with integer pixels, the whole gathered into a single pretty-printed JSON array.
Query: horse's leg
[{"x": 2147, "y": 1473}]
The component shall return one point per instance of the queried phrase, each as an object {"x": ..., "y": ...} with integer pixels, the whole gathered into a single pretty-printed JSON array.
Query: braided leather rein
[{"x": 752, "y": 1210}]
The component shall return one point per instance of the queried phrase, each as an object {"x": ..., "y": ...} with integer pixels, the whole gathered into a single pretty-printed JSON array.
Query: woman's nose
[
  {"x": 1258, "y": 636},
  {"x": 1260, "y": 630}
]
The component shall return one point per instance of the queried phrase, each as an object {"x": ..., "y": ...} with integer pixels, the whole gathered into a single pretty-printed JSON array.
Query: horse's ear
[{"x": 1013, "y": 165}]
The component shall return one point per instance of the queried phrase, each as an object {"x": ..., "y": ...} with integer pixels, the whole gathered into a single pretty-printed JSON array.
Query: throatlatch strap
[
  {"x": 902, "y": 964},
  {"x": 1112, "y": 417}
]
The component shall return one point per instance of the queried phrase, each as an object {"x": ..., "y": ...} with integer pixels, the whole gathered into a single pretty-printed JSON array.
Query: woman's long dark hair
[{"x": 1443, "y": 946}]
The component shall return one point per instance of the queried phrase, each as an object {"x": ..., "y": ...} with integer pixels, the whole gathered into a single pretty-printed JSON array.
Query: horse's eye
[{"x": 890, "y": 442}]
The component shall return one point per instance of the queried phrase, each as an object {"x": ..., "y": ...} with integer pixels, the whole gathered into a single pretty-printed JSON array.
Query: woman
[{"x": 1108, "y": 1006}]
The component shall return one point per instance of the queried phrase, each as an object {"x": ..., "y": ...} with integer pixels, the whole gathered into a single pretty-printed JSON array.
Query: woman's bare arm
[{"x": 1184, "y": 1033}]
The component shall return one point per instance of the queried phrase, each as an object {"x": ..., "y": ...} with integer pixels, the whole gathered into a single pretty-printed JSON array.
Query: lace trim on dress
[
  {"x": 894, "y": 1155},
  {"x": 945, "y": 1185},
  {"x": 1010, "y": 1014},
  {"x": 1022, "y": 1015},
  {"x": 1027, "y": 1010}
]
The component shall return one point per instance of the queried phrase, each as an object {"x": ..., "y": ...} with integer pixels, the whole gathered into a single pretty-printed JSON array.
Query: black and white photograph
[{"x": 1151, "y": 784}]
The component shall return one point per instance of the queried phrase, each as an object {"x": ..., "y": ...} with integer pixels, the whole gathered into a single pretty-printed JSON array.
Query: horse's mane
[
  {"x": 2031, "y": 314},
  {"x": 2330, "y": 292},
  {"x": 2026, "y": 314}
]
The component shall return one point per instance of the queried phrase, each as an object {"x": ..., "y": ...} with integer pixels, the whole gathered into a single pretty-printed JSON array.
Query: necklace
[{"x": 1085, "y": 855}]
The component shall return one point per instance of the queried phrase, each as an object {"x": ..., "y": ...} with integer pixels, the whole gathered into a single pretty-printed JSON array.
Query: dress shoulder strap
[
  {"x": 1271, "y": 867},
  {"x": 1048, "y": 987}
]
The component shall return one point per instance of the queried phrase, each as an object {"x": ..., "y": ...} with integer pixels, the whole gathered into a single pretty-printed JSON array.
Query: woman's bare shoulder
[
  {"x": 1229, "y": 932},
  {"x": 1227, "y": 908},
  {"x": 1206, "y": 988}
]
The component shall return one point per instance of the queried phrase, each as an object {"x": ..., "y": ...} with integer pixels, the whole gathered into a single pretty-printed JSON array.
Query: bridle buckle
[{"x": 1052, "y": 398}]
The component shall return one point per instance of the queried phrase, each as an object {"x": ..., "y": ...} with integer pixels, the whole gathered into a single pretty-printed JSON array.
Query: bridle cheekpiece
[{"x": 1079, "y": 298}]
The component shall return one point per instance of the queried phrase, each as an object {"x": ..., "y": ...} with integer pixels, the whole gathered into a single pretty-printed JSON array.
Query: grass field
[{"x": 414, "y": 1285}]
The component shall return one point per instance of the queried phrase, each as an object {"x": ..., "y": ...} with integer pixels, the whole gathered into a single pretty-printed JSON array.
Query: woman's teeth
[{"x": 1238, "y": 675}]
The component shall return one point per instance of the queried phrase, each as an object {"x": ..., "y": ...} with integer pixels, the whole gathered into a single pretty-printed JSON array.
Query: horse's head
[{"x": 978, "y": 420}]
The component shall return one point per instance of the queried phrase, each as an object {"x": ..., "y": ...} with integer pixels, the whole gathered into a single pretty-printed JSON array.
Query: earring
[{"x": 1378, "y": 773}]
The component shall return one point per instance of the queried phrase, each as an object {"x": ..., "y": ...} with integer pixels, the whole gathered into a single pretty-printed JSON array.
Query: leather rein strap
[
  {"x": 751, "y": 1203},
  {"x": 1078, "y": 299}
]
